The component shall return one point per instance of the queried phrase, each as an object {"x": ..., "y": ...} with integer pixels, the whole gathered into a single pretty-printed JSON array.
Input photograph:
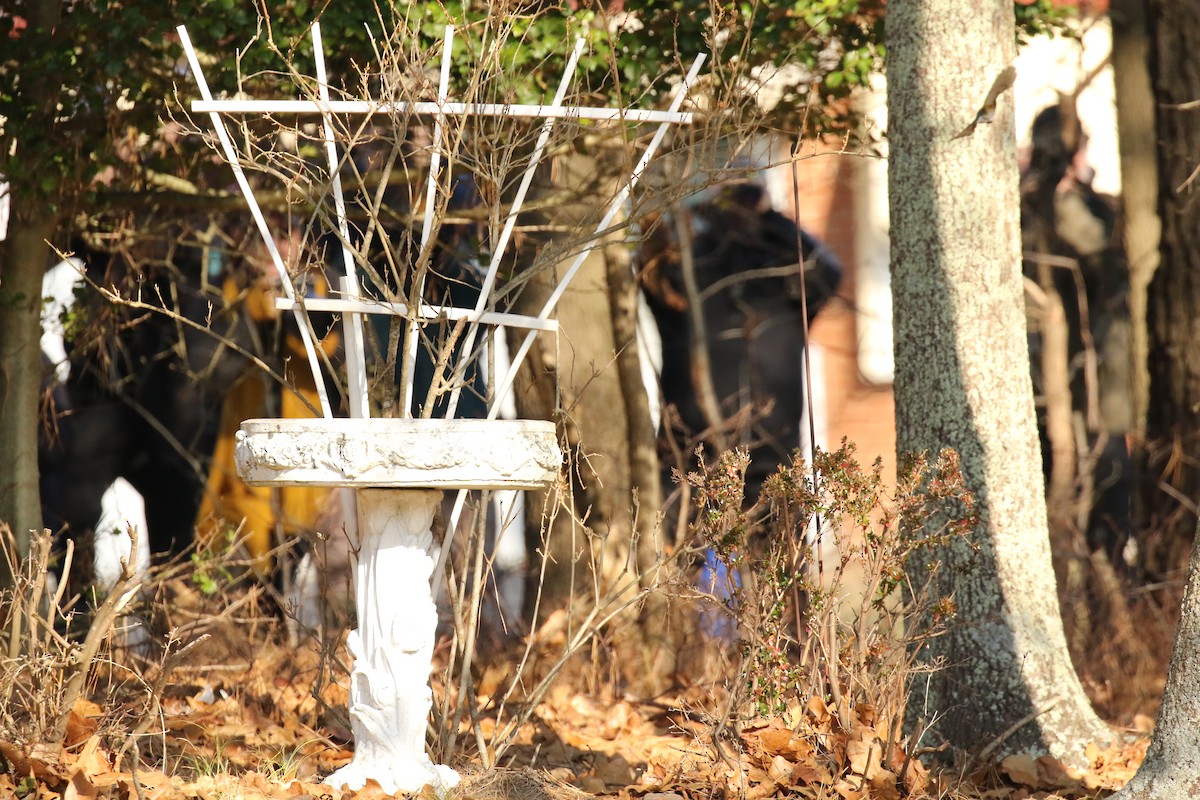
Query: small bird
[{"x": 987, "y": 111}]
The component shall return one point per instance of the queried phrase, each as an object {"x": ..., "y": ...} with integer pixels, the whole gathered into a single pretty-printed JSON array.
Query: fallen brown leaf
[
  {"x": 818, "y": 713},
  {"x": 79, "y": 788},
  {"x": 866, "y": 714},
  {"x": 810, "y": 774},
  {"x": 916, "y": 777},
  {"x": 850, "y": 791},
  {"x": 864, "y": 757},
  {"x": 1055, "y": 774},
  {"x": 616, "y": 771},
  {"x": 1022, "y": 769},
  {"x": 82, "y": 722},
  {"x": 41, "y": 761},
  {"x": 780, "y": 771},
  {"x": 776, "y": 741},
  {"x": 884, "y": 785},
  {"x": 90, "y": 760}
]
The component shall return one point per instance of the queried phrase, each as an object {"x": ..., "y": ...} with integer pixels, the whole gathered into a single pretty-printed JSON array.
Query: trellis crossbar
[
  {"x": 354, "y": 304},
  {"x": 368, "y": 107},
  {"x": 425, "y": 312}
]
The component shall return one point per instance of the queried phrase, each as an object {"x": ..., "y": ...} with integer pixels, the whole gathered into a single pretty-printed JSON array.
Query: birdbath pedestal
[{"x": 398, "y": 469}]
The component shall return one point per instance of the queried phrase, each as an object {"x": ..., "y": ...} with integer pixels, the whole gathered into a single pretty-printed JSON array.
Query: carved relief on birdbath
[
  {"x": 399, "y": 467},
  {"x": 399, "y": 453}
]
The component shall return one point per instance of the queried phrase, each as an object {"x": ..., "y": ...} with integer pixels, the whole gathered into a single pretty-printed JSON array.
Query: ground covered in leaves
[{"x": 267, "y": 720}]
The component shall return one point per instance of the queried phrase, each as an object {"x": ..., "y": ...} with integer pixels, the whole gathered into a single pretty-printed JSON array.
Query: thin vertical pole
[
  {"x": 426, "y": 252},
  {"x": 613, "y": 207},
  {"x": 356, "y": 360},
  {"x": 231, "y": 156},
  {"x": 510, "y": 222}
]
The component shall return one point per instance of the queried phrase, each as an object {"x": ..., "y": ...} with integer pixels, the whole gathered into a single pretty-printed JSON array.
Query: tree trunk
[
  {"x": 1060, "y": 429},
  {"x": 1172, "y": 766},
  {"x": 1173, "y": 304},
  {"x": 645, "y": 477},
  {"x": 963, "y": 381},
  {"x": 1139, "y": 179},
  {"x": 591, "y": 537},
  {"x": 23, "y": 257}
]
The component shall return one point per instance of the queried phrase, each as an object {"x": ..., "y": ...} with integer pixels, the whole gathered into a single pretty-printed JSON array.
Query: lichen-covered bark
[
  {"x": 1173, "y": 312},
  {"x": 963, "y": 381},
  {"x": 23, "y": 257},
  {"x": 23, "y": 261},
  {"x": 1172, "y": 766}
]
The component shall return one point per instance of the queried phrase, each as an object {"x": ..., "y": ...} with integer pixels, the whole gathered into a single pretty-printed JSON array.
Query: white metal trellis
[
  {"x": 389, "y": 693},
  {"x": 353, "y": 304}
]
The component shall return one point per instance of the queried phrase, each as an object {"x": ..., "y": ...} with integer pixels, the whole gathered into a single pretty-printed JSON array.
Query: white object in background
[
  {"x": 304, "y": 601},
  {"x": 120, "y": 507},
  {"x": 509, "y": 557},
  {"x": 58, "y": 297},
  {"x": 650, "y": 349},
  {"x": 510, "y": 560},
  {"x": 1048, "y": 66},
  {"x": 4, "y": 206},
  {"x": 872, "y": 243}
]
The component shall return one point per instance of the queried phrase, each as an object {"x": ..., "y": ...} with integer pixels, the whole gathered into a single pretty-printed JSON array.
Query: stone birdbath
[{"x": 399, "y": 468}]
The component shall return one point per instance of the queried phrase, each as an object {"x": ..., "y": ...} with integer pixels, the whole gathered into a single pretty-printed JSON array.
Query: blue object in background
[{"x": 716, "y": 580}]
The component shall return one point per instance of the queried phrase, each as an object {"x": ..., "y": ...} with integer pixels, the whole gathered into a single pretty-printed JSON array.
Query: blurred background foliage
[{"x": 86, "y": 95}]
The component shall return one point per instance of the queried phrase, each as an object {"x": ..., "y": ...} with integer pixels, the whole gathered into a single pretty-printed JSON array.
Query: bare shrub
[
  {"x": 828, "y": 622},
  {"x": 55, "y": 647}
]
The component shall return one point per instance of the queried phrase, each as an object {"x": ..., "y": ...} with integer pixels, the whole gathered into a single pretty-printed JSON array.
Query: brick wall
[{"x": 846, "y": 404}]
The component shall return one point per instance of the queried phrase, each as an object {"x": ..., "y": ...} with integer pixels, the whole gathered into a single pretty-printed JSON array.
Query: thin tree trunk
[
  {"x": 589, "y": 546},
  {"x": 962, "y": 381},
  {"x": 645, "y": 477},
  {"x": 644, "y": 472},
  {"x": 23, "y": 257},
  {"x": 1139, "y": 179},
  {"x": 1056, "y": 378},
  {"x": 1172, "y": 766},
  {"x": 1173, "y": 305}
]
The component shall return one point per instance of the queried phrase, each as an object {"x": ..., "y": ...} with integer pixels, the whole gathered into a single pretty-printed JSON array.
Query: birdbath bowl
[{"x": 398, "y": 469}]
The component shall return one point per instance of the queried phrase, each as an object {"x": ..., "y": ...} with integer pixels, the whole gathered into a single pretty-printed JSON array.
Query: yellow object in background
[{"x": 227, "y": 499}]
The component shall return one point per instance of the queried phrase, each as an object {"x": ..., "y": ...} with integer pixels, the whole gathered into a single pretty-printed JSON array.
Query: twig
[
  {"x": 916, "y": 750},
  {"x": 168, "y": 667},
  {"x": 1183, "y": 499},
  {"x": 114, "y": 297},
  {"x": 133, "y": 770},
  {"x": 100, "y": 629},
  {"x": 62, "y": 586},
  {"x": 208, "y": 620},
  {"x": 706, "y": 393},
  {"x": 1009, "y": 731}
]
